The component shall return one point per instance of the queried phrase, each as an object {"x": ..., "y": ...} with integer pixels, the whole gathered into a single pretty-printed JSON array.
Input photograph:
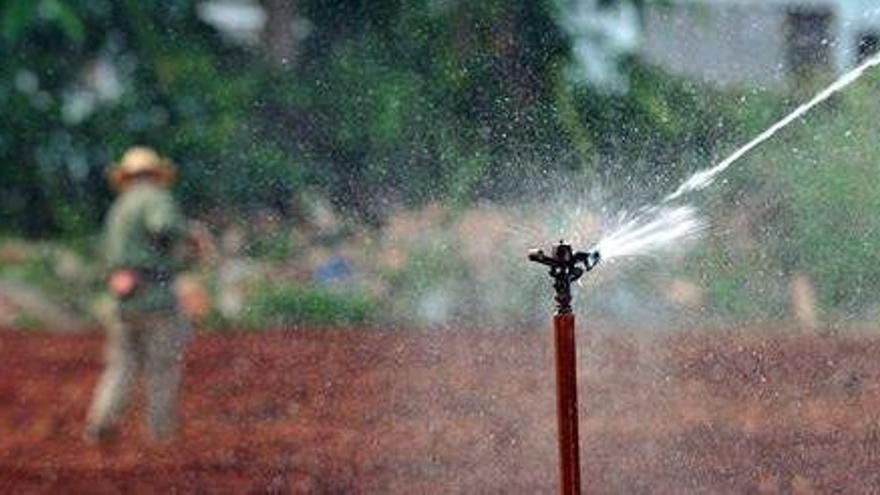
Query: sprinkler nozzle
[
  {"x": 590, "y": 259},
  {"x": 564, "y": 269}
]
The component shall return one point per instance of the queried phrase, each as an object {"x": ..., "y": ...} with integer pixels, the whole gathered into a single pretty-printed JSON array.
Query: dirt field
[{"x": 366, "y": 411}]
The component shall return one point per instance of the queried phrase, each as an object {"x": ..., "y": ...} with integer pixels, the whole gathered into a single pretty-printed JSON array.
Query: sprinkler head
[{"x": 564, "y": 269}]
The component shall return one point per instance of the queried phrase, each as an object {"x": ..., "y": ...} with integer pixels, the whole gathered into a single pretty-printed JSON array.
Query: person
[{"x": 145, "y": 332}]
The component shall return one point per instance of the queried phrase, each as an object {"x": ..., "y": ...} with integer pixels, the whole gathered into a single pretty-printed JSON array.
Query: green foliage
[
  {"x": 277, "y": 305},
  {"x": 740, "y": 283},
  {"x": 829, "y": 215},
  {"x": 387, "y": 104},
  {"x": 804, "y": 204},
  {"x": 28, "y": 322},
  {"x": 21, "y": 15},
  {"x": 426, "y": 101},
  {"x": 428, "y": 267},
  {"x": 84, "y": 84},
  {"x": 275, "y": 246}
]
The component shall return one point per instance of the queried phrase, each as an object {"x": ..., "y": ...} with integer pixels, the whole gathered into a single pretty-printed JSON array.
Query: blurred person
[{"x": 146, "y": 334}]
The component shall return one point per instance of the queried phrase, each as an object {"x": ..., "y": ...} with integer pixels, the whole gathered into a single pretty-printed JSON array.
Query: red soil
[{"x": 382, "y": 412}]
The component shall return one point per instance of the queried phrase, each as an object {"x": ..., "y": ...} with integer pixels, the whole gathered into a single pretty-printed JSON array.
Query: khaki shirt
[{"x": 143, "y": 232}]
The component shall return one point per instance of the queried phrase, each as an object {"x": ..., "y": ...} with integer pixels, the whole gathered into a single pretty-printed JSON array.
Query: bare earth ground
[{"x": 366, "y": 411}]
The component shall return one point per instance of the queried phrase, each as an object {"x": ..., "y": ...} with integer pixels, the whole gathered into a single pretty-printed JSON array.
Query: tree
[
  {"x": 384, "y": 103},
  {"x": 87, "y": 83}
]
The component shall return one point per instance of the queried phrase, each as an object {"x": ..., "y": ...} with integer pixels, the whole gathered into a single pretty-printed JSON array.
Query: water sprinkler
[{"x": 565, "y": 268}]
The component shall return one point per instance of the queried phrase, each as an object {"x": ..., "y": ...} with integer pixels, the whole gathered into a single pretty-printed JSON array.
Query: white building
[{"x": 759, "y": 42}]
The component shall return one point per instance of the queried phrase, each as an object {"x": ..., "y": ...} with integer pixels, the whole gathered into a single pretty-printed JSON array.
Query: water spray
[
  {"x": 656, "y": 227},
  {"x": 565, "y": 268},
  {"x": 649, "y": 230}
]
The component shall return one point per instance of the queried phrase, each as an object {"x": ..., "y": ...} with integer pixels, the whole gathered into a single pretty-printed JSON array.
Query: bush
[{"x": 274, "y": 305}]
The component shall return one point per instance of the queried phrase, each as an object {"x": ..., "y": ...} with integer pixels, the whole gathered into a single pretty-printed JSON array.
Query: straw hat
[{"x": 141, "y": 161}]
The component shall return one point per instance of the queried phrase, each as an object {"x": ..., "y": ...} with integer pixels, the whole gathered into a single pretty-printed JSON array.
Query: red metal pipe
[{"x": 566, "y": 405}]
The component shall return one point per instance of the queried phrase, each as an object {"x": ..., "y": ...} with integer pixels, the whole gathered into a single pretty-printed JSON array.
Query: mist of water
[
  {"x": 660, "y": 227},
  {"x": 652, "y": 231}
]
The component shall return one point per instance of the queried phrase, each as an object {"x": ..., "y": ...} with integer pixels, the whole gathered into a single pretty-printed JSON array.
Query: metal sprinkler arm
[{"x": 564, "y": 269}]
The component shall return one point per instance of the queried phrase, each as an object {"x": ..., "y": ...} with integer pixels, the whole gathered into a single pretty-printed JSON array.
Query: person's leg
[
  {"x": 166, "y": 340},
  {"x": 114, "y": 387}
]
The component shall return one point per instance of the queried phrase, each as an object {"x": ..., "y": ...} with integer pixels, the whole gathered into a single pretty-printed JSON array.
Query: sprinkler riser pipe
[{"x": 566, "y": 404}]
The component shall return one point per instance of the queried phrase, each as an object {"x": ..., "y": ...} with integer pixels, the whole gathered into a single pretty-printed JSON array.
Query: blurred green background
[{"x": 307, "y": 153}]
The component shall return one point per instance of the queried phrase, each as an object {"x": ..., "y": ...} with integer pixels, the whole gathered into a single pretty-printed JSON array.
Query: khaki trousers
[{"x": 151, "y": 343}]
